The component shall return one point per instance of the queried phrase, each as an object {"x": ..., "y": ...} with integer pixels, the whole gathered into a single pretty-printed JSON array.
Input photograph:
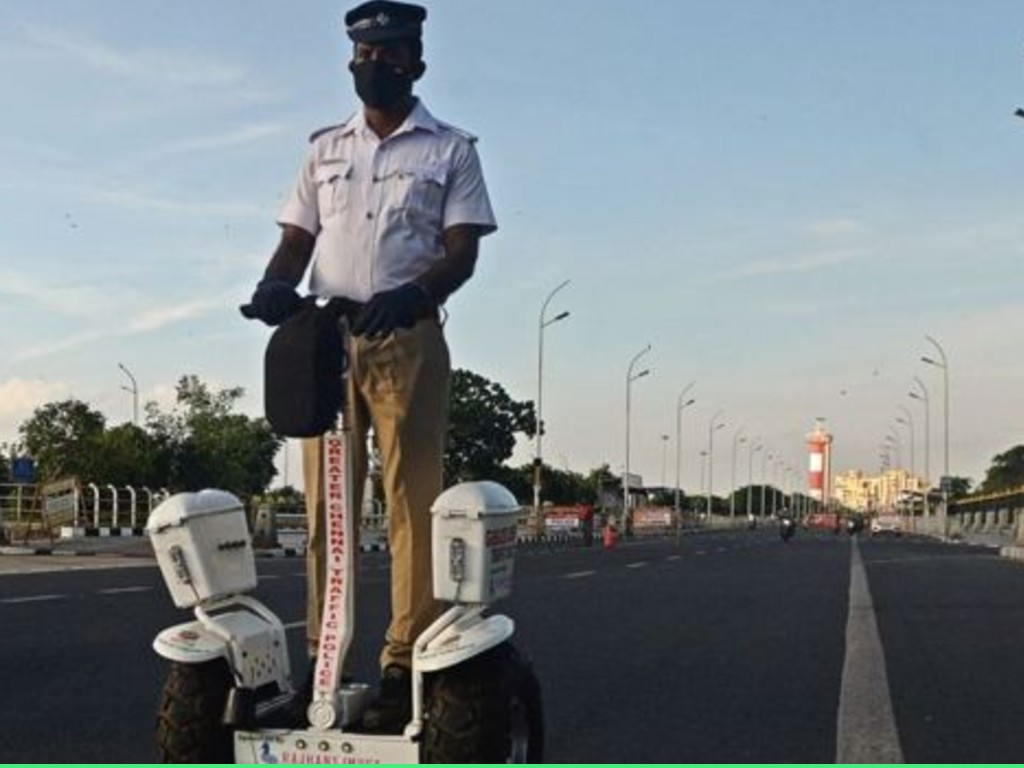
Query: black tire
[
  {"x": 485, "y": 710},
  {"x": 189, "y": 723}
]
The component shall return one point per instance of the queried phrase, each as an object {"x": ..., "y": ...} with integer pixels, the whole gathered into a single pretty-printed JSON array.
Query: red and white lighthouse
[{"x": 819, "y": 475}]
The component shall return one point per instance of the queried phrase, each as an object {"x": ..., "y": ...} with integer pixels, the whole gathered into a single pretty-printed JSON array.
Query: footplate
[{"x": 323, "y": 748}]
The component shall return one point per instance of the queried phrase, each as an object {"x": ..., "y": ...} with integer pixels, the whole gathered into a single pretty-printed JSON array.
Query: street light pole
[
  {"x": 680, "y": 405},
  {"x": 712, "y": 428},
  {"x": 134, "y": 389},
  {"x": 539, "y": 422},
  {"x": 907, "y": 420},
  {"x": 924, "y": 398},
  {"x": 753, "y": 447},
  {"x": 942, "y": 363},
  {"x": 736, "y": 440},
  {"x": 894, "y": 439},
  {"x": 775, "y": 482},
  {"x": 664, "y": 458},
  {"x": 630, "y": 378},
  {"x": 765, "y": 457}
]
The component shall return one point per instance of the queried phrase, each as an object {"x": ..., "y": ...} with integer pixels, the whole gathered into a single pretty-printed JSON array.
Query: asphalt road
[{"x": 733, "y": 648}]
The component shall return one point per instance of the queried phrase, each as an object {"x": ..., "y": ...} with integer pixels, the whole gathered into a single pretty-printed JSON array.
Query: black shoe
[
  {"x": 294, "y": 713},
  {"x": 391, "y": 711}
]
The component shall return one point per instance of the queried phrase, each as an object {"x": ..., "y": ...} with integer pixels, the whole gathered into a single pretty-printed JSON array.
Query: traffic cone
[{"x": 608, "y": 537}]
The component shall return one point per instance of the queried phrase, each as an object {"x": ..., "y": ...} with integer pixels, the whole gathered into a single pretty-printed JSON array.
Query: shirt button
[{"x": 369, "y": 214}]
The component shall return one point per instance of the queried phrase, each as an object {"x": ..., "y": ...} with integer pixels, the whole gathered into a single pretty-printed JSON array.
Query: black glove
[
  {"x": 400, "y": 307},
  {"x": 274, "y": 301}
]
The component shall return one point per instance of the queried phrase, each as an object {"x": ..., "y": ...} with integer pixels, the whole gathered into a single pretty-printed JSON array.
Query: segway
[{"x": 475, "y": 699}]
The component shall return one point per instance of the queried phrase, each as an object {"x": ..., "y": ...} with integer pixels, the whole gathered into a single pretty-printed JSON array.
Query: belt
[{"x": 351, "y": 310}]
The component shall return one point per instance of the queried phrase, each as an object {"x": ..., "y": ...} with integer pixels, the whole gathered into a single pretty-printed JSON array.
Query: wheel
[
  {"x": 485, "y": 710},
  {"x": 189, "y": 727}
]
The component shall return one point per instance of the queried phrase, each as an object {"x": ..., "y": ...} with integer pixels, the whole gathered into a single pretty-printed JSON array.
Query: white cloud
[
  {"x": 145, "y": 322},
  {"x": 20, "y": 397},
  {"x": 808, "y": 262},
  {"x": 124, "y": 196},
  {"x": 241, "y": 136},
  {"x": 184, "y": 70},
  {"x": 834, "y": 228},
  {"x": 160, "y": 317},
  {"x": 83, "y": 300}
]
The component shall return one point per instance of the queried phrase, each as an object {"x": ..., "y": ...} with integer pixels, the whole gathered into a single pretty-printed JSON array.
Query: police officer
[{"x": 389, "y": 207}]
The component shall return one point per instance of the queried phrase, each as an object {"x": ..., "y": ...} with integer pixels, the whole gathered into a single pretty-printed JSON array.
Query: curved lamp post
[
  {"x": 712, "y": 428},
  {"x": 926, "y": 400},
  {"x": 943, "y": 363},
  {"x": 681, "y": 403},
  {"x": 752, "y": 447},
  {"x": 134, "y": 389},
  {"x": 737, "y": 440},
  {"x": 538, "y": 460},
  {"x": 630, "y": 378}
]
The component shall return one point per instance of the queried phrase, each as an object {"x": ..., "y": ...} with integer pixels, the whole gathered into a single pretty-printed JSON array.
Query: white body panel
[
  {"x": 246, "y": 633},
  {"x": 462, "y": 640},
  {"x": 190, "y": 643},
  {"x": 202, "y": 543},
  {"x": 476, "y": 523}
]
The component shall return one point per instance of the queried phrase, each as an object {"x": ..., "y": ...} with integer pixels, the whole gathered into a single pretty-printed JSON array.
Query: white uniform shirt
[{"x": 378, "y": 207}]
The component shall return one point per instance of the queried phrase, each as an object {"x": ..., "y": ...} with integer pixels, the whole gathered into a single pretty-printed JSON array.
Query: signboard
[
  {"x": 60, "y": 499},
  {"x": 634, "y": 480},
  {"x": 561, "y": 523},
  {"x": 652, "y": 517},
  {"x": 23, "y": 470}
]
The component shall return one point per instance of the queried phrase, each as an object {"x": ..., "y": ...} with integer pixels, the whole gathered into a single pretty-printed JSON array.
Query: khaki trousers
[{"x": 399, "y": 386}]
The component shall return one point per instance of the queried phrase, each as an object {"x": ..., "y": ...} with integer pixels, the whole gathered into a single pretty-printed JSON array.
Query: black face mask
[{"x": 380, "y": 85}]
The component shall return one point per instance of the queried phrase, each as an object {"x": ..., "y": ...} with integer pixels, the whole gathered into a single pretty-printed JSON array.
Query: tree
[
  {"x": 209, "y": 445},
  {"x": 567, "y": 488},
  {"x": 1007, "y": 471},
  {"x": 482, "y": 425},
  {"x": 131, "y": 456},
  {"x": 64, "y": 439},
  {"x": 959, "y": 487},
  {"x": 602, "y": 486}
]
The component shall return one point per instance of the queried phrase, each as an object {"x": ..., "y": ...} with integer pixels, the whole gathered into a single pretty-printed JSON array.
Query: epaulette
[
  {"x": 454, "y": 129},
  {"x": 318, "y": 133}
]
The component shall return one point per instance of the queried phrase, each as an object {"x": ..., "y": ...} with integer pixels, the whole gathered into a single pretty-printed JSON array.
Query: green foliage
[
  {"x": 959, "y": 487},
  {"x": 64, "y": 438},
  {"x": 128, "y": 455},
  {"x": 1007, "y": 471},
  {"x": 200, "y": 444},
  {"x": 482, "y": 425},
  {"x": 212, "y": 447}
]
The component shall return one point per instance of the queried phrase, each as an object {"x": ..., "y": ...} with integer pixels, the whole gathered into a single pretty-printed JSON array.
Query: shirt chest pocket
[
  {"x": 333, "y": 180},
  {"x": 420, "y": 190}
]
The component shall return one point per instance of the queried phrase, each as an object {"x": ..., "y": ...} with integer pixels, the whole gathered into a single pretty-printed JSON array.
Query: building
[{"x": 888, "y": 491}]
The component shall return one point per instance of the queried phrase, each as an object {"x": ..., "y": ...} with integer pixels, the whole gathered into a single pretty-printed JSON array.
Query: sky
[{"x": 782, "y": 198}]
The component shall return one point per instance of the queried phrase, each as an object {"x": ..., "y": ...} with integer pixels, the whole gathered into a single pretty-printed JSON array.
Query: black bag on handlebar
[{"x": 303, "y": 389}]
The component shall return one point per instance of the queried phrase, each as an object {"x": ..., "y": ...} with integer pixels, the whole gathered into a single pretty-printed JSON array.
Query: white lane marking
[
  {"x": 122, "y": 590},
  {"x": 719, "y": 550},
  {"x": 700, "y": 552},
  {"x": 33, "y": 599},
  {"x": 295, "y": 625},
  {"x": 673, "y": 557},
  {"x": 641, "y": 564},
  {"x": 269, "y": 577},
  {"x": 866, "y": 728},
  {"x": 579, "y": 575}
]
